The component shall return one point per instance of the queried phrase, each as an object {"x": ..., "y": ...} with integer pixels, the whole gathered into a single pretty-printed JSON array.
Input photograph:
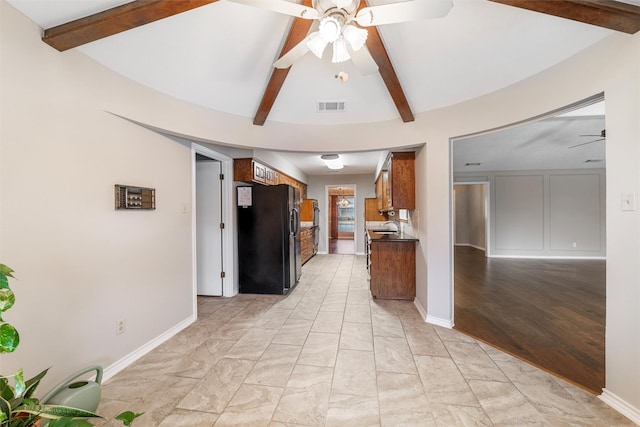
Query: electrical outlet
[{"x": 121, "y": 326}]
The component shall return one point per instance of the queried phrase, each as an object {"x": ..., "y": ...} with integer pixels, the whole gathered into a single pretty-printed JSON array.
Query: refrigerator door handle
[{"x": 294, "y": 226}]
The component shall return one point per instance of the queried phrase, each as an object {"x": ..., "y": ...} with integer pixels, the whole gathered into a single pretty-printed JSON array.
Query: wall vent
[{"x": 330, "y": 106}]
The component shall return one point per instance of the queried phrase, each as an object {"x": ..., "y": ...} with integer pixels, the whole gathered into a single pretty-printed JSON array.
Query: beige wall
[
  {"x": 56, "y": 135},
  {"x": 80, "y": 264}
]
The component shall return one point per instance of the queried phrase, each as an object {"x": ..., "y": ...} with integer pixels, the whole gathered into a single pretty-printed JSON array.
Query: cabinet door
[
  {"x": 401, "y": 184},
  {"x": 382, "y": 189},
  {"x": 393, "y": 270}
]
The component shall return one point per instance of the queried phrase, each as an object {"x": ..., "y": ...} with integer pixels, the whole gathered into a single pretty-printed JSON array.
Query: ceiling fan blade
[
  {"x": 282, "y": 6},
  {"x": 295, "y": 53},
  {"x": 404, "y": 11},
  {"x": 585, "y": 143},
  {"x": 363, "y": 61}
]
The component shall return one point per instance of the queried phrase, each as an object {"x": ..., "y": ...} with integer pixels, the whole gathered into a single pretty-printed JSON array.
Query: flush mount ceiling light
[{"x": 332, "y": 161}]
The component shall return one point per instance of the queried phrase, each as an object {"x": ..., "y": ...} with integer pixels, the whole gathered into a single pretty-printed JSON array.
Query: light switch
[{"x": 629, "y": 202}]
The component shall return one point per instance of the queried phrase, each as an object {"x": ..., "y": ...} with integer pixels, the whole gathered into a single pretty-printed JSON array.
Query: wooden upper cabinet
[
  {"x": 251, "y": 170},
  {"x": 306, "y": 210},
  {"x": 381, "y": 191},
  {"x": 396, "y": 183},
  {"x": 372, "y": 212}
]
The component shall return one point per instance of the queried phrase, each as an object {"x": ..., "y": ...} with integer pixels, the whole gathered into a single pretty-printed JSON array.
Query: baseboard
[
  {"x": 118, "y": 366},
  {"x": 360, "y": 253},
  {"x": 621, "y": 406},
  {"x": 421, "y": 310},
  {"x": 549, "y": 257},
  {"x": 445, "y": 323},
  {"x": 431, "y": 319},
  {"x": 322, "y": 253},
  {"x": 469, "y": 245}
]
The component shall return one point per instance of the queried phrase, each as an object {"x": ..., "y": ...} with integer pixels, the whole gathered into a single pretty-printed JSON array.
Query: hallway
[{"x": 329, "y": 355}]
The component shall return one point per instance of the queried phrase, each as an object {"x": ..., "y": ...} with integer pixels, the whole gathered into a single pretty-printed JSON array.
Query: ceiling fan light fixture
[
  {"x": 332, "y": 161},
  {"x": 323, "y": 6},
  {"x": 317, "y": 44},
  {"x": 340, "y": 53},
  {"x": 355, "y": 36},
  {"x": 329, "y": 29},
  {"x": 343, "y": 4}
]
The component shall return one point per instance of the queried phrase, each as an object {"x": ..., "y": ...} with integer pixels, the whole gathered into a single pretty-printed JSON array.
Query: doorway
[
  {"x": 215, "y": 231},
  {"x": 470, "y": 215},
  {"x": 209, "y": 237},
  {"x": 341, "y": 219},
  {"x": 537, "y": 288}
]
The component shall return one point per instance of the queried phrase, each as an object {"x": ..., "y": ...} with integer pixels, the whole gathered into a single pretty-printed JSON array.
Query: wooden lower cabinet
[
  {"x": 392, "y": 269},
  {"x": 306, "y": 244}
]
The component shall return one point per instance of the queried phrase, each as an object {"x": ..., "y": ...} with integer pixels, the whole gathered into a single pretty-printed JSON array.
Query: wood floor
[
  {"x": 548, "y": 312},
  {"x": 342, "y": 246}
]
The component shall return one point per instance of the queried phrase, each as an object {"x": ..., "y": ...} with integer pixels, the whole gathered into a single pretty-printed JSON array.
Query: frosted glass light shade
[
  {"x": 332, "y": 161},
  {"x": 340, "y": 53},
  {"x": 329, "y": 29},
  {"x": 317, "y": 44},
  {"x": 355, "y": 36}
]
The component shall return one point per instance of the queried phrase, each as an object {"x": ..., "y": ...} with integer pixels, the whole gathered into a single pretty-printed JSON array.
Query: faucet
[{"x": 394, "y": 222}]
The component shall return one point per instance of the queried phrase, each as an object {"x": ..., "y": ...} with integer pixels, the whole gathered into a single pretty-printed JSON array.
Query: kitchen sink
[{"x": 384, "y": 231}]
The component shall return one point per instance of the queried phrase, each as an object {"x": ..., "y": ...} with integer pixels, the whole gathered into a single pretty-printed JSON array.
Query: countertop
[{"x": 395, "y": 237}]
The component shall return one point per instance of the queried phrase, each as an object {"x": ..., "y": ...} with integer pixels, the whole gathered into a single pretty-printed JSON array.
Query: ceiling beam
[
  {"x": 299, "y": 30},
  {"x": 388, "y": 74},
  {"x": 116, "y": 20},
  {"x": 614, "y": 15}
]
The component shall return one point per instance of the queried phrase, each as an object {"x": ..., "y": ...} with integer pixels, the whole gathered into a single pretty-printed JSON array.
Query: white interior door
[{"x": 208, "y": 231}]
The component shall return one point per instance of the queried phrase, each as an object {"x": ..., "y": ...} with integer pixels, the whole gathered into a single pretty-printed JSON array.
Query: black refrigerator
[{"x": 268, "y": 238}]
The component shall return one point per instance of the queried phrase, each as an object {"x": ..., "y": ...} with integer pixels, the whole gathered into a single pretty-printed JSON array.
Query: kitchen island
[{"x": 391, "y": 260}]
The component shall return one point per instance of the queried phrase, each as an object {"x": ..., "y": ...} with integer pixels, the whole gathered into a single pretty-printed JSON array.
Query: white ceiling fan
[{"x": 340, "y": 23}]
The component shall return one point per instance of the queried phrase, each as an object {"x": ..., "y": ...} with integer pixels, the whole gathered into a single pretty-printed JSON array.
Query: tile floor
[{"x": 329, "y": 355}]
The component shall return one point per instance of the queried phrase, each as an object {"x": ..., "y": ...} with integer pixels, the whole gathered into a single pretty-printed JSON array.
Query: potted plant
[{"x": 18, "y": 406}]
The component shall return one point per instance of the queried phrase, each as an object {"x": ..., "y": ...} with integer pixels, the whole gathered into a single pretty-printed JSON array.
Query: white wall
[
  {"x": 544, "y": 213},
  {"x": 55, "y": 102},
  {"x": 81, "y": 265}
]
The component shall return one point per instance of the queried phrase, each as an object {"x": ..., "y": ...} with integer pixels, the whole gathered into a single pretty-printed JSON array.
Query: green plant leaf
[
  {"x": 20, "y": 386},
  {"x": 9, "y": 338},
  {"x": 7, "y": 299},
  {"x": 5, "y": 271},
  {"x": 57, "y": 411},
  {"x": 5, "y": 410},
  {"x": 127, "y": 417},
  {"x": 69, "y": 422},
  {"x": 6, "y": 391},
  {"x": 33, "y": 383}
]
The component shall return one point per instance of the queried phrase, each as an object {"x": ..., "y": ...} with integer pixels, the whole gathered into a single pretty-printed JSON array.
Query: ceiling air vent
[{"x": 330, "y": 106}]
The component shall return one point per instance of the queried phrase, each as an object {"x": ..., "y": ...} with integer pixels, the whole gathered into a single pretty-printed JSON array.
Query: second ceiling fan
[{"x": 340, "y": 23}]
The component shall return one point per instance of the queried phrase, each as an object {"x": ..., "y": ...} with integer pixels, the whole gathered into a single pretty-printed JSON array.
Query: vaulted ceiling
[{"x": 219, "y": 54}]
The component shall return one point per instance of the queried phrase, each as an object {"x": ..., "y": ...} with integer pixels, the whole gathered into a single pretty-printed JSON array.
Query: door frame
[
  {"x": 356, "y": 220},
  {"x": 229, "y": 285}
]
